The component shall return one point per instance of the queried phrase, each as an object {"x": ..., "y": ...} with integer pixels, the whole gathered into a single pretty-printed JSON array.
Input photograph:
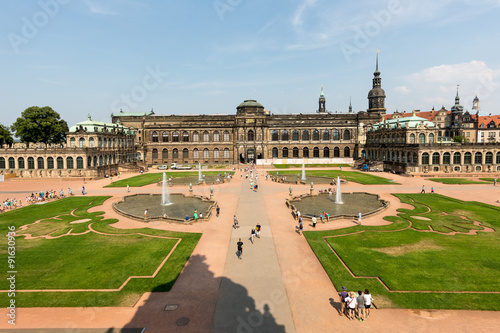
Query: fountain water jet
[
  {"x": 165, "y": 197},
  {"x": 338, "y": 195},
  {"x": 303, "y": 171}
]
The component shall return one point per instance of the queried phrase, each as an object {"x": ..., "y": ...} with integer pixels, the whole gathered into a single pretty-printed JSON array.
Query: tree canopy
[
  {"x": 5, "y": 135},
  {"x": 40, "y": 124}
]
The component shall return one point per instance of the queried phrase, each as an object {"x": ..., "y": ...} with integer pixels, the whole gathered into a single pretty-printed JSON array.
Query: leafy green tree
[
  {"x": 5, "y": 136},
  {"x": 38, "y": 124},
  {"x": 460, "y": 138}
]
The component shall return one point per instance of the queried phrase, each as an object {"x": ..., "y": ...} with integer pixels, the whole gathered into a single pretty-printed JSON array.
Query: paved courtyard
[{"x": 277, "y": 286}]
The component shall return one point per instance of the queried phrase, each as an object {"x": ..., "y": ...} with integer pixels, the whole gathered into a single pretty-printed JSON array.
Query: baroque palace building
[{"x": 93, "y": 149}]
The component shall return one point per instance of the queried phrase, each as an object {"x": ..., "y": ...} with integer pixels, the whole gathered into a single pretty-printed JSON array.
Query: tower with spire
[
  {"x": 376, "y": 96},
  {"x": 322, "y": 102},
  {"x": 350, "y": 105},
  {"x": 456, "y": 117},
  {"x": 475, "y": 104}
]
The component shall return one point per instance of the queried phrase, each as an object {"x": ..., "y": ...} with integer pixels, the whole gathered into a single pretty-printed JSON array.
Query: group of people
[
  {"x": 355, "y": 305},
  {"x": 12, "y": 203},
  {"x": 323, "y": 216}
]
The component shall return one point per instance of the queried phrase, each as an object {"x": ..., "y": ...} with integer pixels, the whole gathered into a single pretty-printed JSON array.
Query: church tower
[
  {"x": 376, "y": 96},
  {"x": 322, "y": 102},
  {"x": 475, "y": 104}
]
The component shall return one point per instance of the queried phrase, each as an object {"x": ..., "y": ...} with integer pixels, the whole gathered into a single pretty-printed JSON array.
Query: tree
[
  {"x": 38, "y": 124},
  {"x": 5, "y": 136}
]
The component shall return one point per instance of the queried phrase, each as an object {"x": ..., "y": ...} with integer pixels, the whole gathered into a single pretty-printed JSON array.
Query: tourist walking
[
  {"x": 359, "y": 217},
  {"x": 343, "y": 294},
  {"x": 298, "y": 215},
  {"x": 351, "y": 305},
  {"x": 252, "y": 235},
  {"x": 494, "y": 182},
  {"x": 217, "y": 210},
  {"x": 146, "y": 213},
  {"x": 360, "y": 303},
  {"x": 235, "y": 222},
  {"x": 83, "y": 190},
  {"x": 128, "y": 188},
  {"x": 368, "y": 302},
  {"x": 240, "y": 248},
  {"x": 301, "y": 226},
  {"x": 314, "y": 220},
  {"x": 432, "y": 189},
  {"x": 423, "y": 189},
  {"x": 257, "y": 230}
]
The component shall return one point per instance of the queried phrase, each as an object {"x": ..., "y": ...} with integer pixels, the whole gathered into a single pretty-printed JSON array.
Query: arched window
[
  {"x": 412, "y": 138},
  {"x": 50, "y": 163},
  {"x": 227, "y": 137},
  {"x": 347, "y": 152},
  {"x": 216, "y": 153},
  {"x": 284, "y": 135},
  {"x": 347, "y": 135},
  {"x": 497, "y": 159},
  {"x": 164, "y": 153},
  {"x": 60, "y": 163},
  {"x": 275, "y": 152},
  {"x": 154, "y": 136},
  {"x": 457, "y": 158},
  {"x": 155, "y": 153},
  {"x": 185, "y": 136},
  {"x": 79, "y": 162},
  {"x": 216, "y": 136},
  {"x": 99, "y": 142},
  {"x": 425, "y": 159},
  {"x": 305, "y": 152},
  {"x": 295, "y": 152},
  {"x": 336, "y": 152},
  {"x": 91, "y": 142},
  {"x": 478, "y": 158},
  {"x": 206, "y": 153},
  {"x": 326, "y": 152},
  {"x": 226, "y": 153},
  {"x": 31, "y": 163},
  {"x": 95, "y": 161},
  {"x": 421, "y": 138},
  {"x": 196, "y": 137},
  {"x": 69, "y": 163},
  {"x": 336, "y": 134},
  {"x": 274, "y": 135},
  {"x": 435, "y": 159},
  {"x": 489, "y": 158},
  {"x": 305, "y": 135},
  {"x": 326, "y": 135},
  {"x": 40, "y": 163},
  {"x": 250, "y": 135},
  {"x": 316, "y": 151},
  {"x": 431, "y": 138},
  {"x": 316, "y": 135},
  {"x": 20, "y": 163},
  {"x": 164, "y": 136},
  {"x": 72, "y": 142},
  {"x": 12, "y": 163},
  {"x": 89, "y": 162},
  {"x": 295, "y": 135},
  {"x": 206, "y": 136},
  {"x": 175, "y": 136},
  {"x": 101, "y": 160},
  {"x": 196, "y": 153},
  {"x": 2, "y": 162},
  {"x": 185, "y": 153},
  {"x": 446, "y": 158},
  {"x": 175, "y": 153},
  {"x": 285, "y": 152},
  {"x": 105, "y": 159}
]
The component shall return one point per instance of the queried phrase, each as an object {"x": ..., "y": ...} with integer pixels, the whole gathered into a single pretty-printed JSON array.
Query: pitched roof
[{"x": 486, "y": 120}]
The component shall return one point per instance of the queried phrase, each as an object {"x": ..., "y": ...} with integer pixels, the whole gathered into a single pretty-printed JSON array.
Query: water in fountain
[
  {"x": 338, "y": 196},
  {"x": 303, "y": 170},
  {"x": 200, "y": 178},
  {"x": 165, "y": 197}
]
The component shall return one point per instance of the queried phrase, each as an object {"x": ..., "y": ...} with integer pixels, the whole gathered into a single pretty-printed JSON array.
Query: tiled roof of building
[{"x": 484, "y": 121}]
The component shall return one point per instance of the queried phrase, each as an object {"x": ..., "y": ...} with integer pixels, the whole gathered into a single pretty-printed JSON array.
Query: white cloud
[
  {"x": 297, "y": 19},
  {"x": 402, "y": 89},
  {"x": 99, "y": 9}
]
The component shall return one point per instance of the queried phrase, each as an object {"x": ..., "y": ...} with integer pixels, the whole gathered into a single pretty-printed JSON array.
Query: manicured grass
[
  {"x": 410, "y": 260},
  {"x": 455, "y": 181},
  {"x": 152, "y": 178},
  {"x": 352, "y": 176},
  {"x": 491, "y": 180},
  {"x": 286, "y": 166},
  {"x": 82, "y": 259}
]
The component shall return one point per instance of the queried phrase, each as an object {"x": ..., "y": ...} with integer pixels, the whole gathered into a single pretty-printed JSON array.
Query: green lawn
[
  {"x": 286, "y": 166},
  {"x": 352, "y": 176},
  {"x": 82, "y": 259},
  {"x": 456, "y": 181},
  {"x": 410, "y": 260},
  {"x": 151, "y": 178}
]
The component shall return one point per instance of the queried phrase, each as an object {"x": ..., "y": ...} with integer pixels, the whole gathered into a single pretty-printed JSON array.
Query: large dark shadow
[{"x": 192, "y": 304}]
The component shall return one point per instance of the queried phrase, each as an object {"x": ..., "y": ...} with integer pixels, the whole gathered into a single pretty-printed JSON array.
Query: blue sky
[{"x": 206, "y": 57}]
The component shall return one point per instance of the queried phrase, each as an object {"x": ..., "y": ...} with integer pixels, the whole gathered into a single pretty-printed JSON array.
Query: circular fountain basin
[
  {"x": 135, "y": 205},
  {"x": 353, "y": 203}
]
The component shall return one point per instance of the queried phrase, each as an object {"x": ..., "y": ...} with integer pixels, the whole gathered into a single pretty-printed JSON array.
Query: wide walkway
[{"x": 252, "y": 295}]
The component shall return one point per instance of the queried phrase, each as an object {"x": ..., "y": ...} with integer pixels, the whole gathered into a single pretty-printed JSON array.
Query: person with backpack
[{"x": 351, "y": 305}]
